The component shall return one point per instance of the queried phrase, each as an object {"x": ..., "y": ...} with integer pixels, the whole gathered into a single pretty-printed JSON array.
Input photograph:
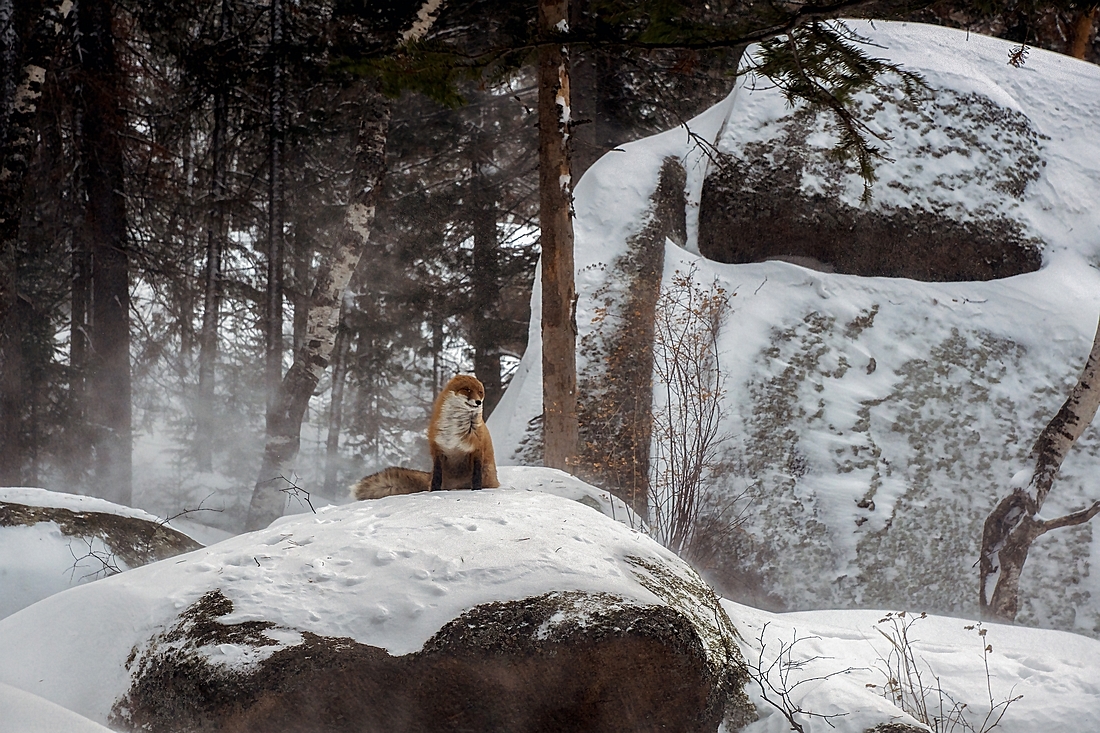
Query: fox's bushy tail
[{"x": 391, "y": 481}]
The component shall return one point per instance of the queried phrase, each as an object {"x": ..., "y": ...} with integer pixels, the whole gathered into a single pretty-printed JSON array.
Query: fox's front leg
[
  {"x": 437, "y": 475},
  {"x": 475, "y": 480}
]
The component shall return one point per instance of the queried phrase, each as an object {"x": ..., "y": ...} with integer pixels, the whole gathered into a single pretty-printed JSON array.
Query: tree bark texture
[
  {"x": 101, "y": 162},
  {"x": 273, "y": 313},
  {"x": 216, "y": 235},
  {"x": 559, "y": 328},
  {"x": 28, "y": 35},
  {"x": 1082, "y": 32},
  {"x": 284, "y": 419},
  {"x": 336, "y": 409},
  {"x": 1015, "y": 522}
]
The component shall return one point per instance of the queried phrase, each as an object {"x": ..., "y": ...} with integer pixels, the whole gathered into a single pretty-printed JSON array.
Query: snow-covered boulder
[
  {"x": 490, "y": 610},
  {"x": 876, "y": 407},
  {"x": 50, "y": 541}
]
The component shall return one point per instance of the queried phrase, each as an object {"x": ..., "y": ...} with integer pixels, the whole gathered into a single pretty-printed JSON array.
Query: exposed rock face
[
  {"x": 786, "y": 199},
  {"x": 557, "y": 662},
  {"x": 616, "y": 416}
]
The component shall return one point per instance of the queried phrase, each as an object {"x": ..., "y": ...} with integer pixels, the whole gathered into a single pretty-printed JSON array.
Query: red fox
[{"x": 462, "y": 451}]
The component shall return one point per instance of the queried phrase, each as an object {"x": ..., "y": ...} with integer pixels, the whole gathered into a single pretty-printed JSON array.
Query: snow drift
[{"x": 27, "y": 713}]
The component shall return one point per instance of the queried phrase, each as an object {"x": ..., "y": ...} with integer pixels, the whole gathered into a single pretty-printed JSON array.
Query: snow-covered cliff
[{"x": 876, "y": 420}]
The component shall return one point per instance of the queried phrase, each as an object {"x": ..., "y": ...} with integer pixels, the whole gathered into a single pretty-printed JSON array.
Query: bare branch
[{"x": 1070, "y": 520}]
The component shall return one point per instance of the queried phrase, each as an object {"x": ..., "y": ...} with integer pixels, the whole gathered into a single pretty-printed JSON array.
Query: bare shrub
[
  {"x": 780, "y": 676},
  {"x": 687, "y": 435},
  {"x": 912, "y": 684}
]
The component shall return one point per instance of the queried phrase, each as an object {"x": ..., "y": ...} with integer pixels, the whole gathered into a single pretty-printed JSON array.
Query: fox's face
[{"x": 467, "y": 391}]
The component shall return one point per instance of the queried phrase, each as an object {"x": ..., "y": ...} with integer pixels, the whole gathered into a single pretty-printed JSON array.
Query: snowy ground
[
  {"x": 843, "y": 660},
  {"x": 391, "y": 572},
  {"x": 27, "y": 713}
]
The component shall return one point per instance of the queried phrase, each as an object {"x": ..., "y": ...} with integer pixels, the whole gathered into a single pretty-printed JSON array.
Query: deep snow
[
  {"x": 39, "y": 560},
  {"x": 844, "y": 658},
  {"x": 391, "y": 572}
]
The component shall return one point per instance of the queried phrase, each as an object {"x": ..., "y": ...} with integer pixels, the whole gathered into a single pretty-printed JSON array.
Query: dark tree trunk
[
  {"x": 13, "y": 392},
  {"x": 300, "y": 256},
  {"x": 485, "y": 326},
  {"x": 185, "y": 293},
  {"x": 559, "y": 328},
  {"x": 273, "y": 321},
  {"x": 437, "y": 353},
  {"x": 284, "y": 420},
  {"x": 80, "y": 328},
  {"x": 101, "y": 162},
  {"x": 28, "y": 33},
  {"x": 1015, "y": 522},
  {"x": 215, "y": 246}
]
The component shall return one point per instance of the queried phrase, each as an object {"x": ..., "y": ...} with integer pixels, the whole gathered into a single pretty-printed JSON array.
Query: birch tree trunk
[
  {"x": 559, "y": 327},
  {"x": 215, "y": 244},
  {"x": 103, "y": 175},
  {"x": 1015, "y": 522},
  {"x": 284, "y": 419}
]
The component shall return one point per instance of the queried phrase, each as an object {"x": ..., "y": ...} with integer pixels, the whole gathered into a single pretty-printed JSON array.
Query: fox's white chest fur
[{"x": 458, "y": 420}]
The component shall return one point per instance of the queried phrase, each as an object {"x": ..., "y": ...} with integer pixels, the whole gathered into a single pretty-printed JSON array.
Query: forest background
[{"x": 176, "y": 176}]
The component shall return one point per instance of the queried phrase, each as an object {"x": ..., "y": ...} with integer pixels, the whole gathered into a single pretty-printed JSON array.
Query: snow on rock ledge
[
  {"x": 50, "y": 541},
  {"x": 489, "y": 610}
]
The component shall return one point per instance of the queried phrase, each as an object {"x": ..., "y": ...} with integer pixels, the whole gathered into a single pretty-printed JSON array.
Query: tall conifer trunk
[
  {"x": 486, "y": 272},
  {"x": 273, "y": 312},
  {"x": 559, "y": 328},
  {"x": 215, "y": 246},
  {"x": 28, "y": 34},
  {"x": 102, "y": 176}
]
